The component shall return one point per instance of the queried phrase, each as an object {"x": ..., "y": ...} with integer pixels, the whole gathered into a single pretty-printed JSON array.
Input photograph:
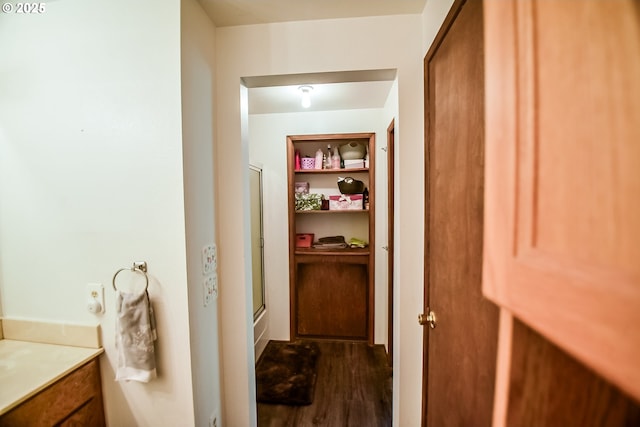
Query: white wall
[
  {"x": 267, "y": 134},
  {"x": 198, "y": 65},
  {"x": 91, "y": 180},
  {"x": 432, "y": 17},
  {"x": 318, "y": 46}
]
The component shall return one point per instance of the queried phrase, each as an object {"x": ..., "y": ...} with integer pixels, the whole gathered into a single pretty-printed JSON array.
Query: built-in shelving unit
[{"x": 331, "y": 290}]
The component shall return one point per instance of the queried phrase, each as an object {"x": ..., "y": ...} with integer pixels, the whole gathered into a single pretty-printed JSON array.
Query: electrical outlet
[
  {"x": 95, "y": 298},
  {"x": 209, "y": 259}
]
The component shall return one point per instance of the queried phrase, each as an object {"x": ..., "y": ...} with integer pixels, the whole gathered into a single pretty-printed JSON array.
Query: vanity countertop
[{"x": 27, "y": 367}]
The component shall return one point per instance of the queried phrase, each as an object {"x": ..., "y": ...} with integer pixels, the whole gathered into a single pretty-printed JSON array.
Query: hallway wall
[{"x": 198, "y": 128}]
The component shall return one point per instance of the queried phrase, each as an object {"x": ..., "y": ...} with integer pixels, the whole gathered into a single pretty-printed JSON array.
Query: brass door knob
[{"x": 430, "y": 319}]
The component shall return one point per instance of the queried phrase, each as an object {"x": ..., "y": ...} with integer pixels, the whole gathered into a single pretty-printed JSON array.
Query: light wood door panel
[{"x": 563, "y": 176}]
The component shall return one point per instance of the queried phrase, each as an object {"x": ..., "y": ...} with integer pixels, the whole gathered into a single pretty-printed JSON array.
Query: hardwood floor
[{"x": 353, "y": 389}]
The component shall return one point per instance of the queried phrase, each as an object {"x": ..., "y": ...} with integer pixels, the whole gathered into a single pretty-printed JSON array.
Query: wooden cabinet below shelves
[{"x": 332, "y": 297}]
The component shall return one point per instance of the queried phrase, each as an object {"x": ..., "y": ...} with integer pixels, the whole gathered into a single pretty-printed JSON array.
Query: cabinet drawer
[{"x": 73, "y": 400}]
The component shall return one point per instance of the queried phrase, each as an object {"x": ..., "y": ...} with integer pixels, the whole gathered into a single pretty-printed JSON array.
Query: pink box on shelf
[
  {"x": 345, "y": 202},
  {"x": 304, "y": 240}
]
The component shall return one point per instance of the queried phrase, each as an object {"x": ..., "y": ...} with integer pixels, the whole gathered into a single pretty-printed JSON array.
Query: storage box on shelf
[
  {"x": 308, "y": 201},
  {"x": 354, "y": 164},
  {"x": 304, "y": 240},
  {"x": 302, "y": 188},
  {"x": 345, "y": 202}
]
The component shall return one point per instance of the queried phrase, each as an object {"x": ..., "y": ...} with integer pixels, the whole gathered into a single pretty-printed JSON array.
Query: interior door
[{"x": 460, "y": 352}]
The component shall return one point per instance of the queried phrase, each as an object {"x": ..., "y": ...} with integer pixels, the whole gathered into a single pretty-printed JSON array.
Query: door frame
[{"x": 390, "y": 235}]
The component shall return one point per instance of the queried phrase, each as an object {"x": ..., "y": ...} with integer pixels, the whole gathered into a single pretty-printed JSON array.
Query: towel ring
[{"x": 138, "y": 267}]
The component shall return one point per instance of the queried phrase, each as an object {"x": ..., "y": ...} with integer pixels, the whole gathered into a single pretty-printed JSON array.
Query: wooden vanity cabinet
[
  {"x": 331, "y": 291},
  {"x": 74, "y": 400}
]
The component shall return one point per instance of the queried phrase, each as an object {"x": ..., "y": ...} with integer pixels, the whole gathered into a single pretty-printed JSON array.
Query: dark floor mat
[{"x": 286, "y": 373}]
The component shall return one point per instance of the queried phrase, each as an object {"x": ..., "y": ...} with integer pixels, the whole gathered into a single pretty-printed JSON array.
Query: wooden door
[
  {"x": 563, "y": 179},
  {"x": 460, "y": 353}
]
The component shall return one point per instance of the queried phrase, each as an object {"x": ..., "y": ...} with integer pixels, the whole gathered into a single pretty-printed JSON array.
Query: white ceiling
[
  {"x": 332, "y": 91},
  {"x": 324, "y": 97},
  {"x": 225, "y": 13}
]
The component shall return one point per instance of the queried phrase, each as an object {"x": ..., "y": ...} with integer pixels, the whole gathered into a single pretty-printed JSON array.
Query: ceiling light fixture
[{"x": 306, "y": 95}]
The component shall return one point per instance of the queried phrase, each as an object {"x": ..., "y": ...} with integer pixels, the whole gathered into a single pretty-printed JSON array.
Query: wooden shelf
[
  {"x": 340, "y": 252},
  {"x": 344, "y": 170},
  {"x": 334, "y": 211}
]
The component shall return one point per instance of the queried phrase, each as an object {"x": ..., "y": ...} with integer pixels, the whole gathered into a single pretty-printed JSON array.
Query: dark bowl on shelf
[{"x": 351, "y": 186}]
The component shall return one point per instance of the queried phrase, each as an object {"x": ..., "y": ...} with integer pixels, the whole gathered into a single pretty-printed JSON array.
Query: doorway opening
[{"x": 341, "y": 102}]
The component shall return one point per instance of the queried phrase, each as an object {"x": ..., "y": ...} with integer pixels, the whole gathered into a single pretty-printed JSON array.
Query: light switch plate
[
  {"x": 210, "y": 288},
  {"x": 214, "y": 285},
  {"x": 209, "y": 259}
]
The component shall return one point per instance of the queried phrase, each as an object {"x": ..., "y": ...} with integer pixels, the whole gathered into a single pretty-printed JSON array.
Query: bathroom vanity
[{"x": 47, "y": 384}]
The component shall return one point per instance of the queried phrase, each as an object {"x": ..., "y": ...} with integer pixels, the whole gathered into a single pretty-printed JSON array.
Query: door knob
[{"x": 430, "y": 319}]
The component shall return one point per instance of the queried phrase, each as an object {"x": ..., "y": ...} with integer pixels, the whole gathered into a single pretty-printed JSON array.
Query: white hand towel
[{"x": 135, "y": 336}]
